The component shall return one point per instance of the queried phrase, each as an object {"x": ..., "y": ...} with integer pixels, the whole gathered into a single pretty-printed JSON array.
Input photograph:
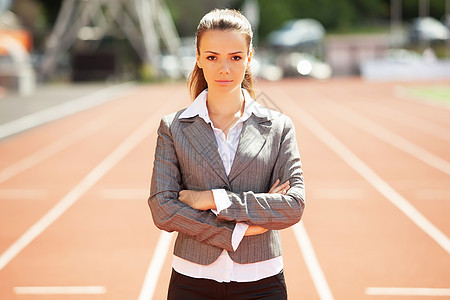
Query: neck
[{"x": 225, "y": 104}]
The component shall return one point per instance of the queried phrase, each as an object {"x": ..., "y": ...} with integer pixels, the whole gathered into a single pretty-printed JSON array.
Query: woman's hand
[
  {"x": 280, "y": 189},
  {"x": 254, "y": 230},
  {"x": 202, "y": 200}
]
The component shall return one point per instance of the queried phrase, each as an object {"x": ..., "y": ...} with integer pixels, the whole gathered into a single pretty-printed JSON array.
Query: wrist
[{"x": 209, "y": 200}]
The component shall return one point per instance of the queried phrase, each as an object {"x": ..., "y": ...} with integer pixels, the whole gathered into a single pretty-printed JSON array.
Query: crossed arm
[
  {"x": 204, "y": 200},
  {"x": 172, "y": 208}
]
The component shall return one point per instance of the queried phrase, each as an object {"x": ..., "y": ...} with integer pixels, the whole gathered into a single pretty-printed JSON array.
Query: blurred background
[
  {"x": 367, "y": 84},
  {"x": 152, "y": 40}
]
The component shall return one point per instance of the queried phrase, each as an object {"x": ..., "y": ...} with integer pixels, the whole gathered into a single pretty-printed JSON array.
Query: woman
[{"x": 217, "y": 173}]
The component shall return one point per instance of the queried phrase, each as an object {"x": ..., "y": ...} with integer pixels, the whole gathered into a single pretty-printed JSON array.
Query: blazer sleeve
[
  {"x": 273, "y": 211},
  {"x": 168, "y": 212}
]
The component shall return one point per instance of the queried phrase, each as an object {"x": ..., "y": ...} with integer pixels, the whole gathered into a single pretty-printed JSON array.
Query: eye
[
  {"x": 211, "y": 57},
  {"x": 236, "y": 58}
]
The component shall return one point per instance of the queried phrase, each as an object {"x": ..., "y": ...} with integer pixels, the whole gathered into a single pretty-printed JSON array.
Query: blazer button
[{"x": 226, "y": 188}]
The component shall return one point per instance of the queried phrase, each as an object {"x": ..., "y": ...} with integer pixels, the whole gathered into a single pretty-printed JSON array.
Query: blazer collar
[
  {"x": 201, "y": 137},
  {"x": 253, "y": 137}
]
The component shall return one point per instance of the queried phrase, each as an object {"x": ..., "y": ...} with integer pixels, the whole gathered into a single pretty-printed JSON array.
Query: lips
[{"x": 224, "y": 82}]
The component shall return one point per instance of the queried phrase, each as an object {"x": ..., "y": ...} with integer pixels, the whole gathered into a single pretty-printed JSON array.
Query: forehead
[{"x": 223, "y": 41}]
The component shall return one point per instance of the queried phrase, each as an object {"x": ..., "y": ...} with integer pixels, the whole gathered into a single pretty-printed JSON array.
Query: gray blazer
[{"x": 187, "y": 157}]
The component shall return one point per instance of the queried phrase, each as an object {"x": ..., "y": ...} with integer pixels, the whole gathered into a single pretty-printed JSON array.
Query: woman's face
[{"x": 224, "y": 57}]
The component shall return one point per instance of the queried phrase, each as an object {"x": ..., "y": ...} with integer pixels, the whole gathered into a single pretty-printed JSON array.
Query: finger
[
  {"x": 254, "y": 230},
  {"x": 274, "y": 186},
  {"x": 284, "y": 186},
  {"x": 182, "y": 196},
  {"x": 185, "y": 196},
  {"x": 278, "y": 189}
]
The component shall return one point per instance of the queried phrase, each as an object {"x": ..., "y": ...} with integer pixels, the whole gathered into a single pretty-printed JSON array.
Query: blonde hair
[{"x": 221, "y": 19}]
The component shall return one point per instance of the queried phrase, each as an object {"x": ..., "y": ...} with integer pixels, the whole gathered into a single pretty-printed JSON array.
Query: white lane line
[
  {"x": 60, "y": 290},
  {"x": 51, "y": 149},
  {"x": 64, "y": 109},
  {"x": 154, "y": 269},
  {"x": 414, "y": 122},
  {"x": 22, "y": 194},
  {"x": 388, "y": 136},
  {"x": 82, "y": 187},
  {"x": 312, "y": 262},
  {"x": 376, "y": 181},
  {"x": 397, "y": 291}
]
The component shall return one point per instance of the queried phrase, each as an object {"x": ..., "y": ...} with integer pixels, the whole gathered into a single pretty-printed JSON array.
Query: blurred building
[
  {"x": 92, "y": 39},
  {"x": 16, "y": 71}
]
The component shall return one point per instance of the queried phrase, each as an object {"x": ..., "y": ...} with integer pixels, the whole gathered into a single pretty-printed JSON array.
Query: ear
[
  {"x": 198, "y": 61},
  {"x": 249, "y": 58}
]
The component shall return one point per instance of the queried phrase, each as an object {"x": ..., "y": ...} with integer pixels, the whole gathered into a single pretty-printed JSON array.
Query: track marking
[
  {"x": 312, "y": 262},
  {"x": 367, "y": 173},
  {"x": 388, "y": 136},
  {"x": 60, "y": 290},
  {"x": 396, "y": 291},
  {"x": 51, "y": 149},
  {"x": 21, "y": 194},
  {"x": 83, "y": 186},
  {"x": 154, "y": 269},
  {"x": 64, "y": 109},
  {"x": 414, "y": 122}
]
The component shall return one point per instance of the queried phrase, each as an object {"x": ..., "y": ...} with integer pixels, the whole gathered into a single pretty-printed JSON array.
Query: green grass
[{"x": 436, "y": 93}]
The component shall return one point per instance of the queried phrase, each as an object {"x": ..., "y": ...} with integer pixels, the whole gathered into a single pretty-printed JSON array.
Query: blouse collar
[{"x": 198, "y": 108}]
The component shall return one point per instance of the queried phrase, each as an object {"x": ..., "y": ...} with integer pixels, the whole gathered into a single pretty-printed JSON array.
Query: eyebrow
[{"x": 232, "y": 53}]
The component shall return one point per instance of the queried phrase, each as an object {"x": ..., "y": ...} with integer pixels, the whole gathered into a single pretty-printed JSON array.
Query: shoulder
[
  {"x": 171, "y": 119},
  {"x": 279, "y": 120},
  {"x": 282, "y": 119},
  {"x": 281, "y": 126},
  {"x": 169, "y": 122},
  {"x": 275, "y": 117}
]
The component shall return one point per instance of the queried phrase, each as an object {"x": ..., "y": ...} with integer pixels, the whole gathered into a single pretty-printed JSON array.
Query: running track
[{"x": 74, "y": 220}]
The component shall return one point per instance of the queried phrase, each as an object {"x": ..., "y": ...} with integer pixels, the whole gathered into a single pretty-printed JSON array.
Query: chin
[{"x": 227, "y": 88}]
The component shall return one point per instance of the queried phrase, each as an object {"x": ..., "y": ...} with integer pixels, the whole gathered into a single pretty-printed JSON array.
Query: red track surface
[{"x": 356, "y": 172}]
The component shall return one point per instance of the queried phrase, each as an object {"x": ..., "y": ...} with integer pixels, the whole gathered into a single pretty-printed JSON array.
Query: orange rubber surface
[{"x": 73, "y": 196}]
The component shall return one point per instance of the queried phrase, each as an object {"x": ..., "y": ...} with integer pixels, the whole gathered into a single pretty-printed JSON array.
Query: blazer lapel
[
  {"x": 253, "y": 137},
  {"x": 201, "y": 137}
]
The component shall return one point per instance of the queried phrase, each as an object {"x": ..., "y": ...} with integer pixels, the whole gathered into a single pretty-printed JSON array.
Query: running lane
[{"x": 89, "y": 175}]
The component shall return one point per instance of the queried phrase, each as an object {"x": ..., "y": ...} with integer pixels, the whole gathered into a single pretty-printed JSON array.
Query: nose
[{"x": 224, "y": 69}]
